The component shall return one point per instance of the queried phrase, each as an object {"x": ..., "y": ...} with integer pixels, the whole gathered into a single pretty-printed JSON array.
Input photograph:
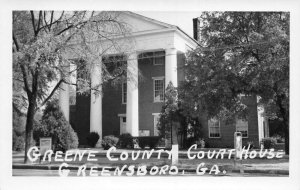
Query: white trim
[
  {"x": 145, "y": 33},
  {"x": 132, "y": 34},
  {"x": 155, "y": 113},
  {"x": 167, "y": 25},
  {"x": 158, "y": 78},
  {"x": 149, "y": 50},
  {"x": 187, "y": 38},
  {"x": 151, "y": 20},
  {"x": 123, "y": 93},
  {"x": 122, "y": 115}
]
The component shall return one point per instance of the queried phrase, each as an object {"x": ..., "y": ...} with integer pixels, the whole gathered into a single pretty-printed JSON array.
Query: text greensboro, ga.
[{"x": 69, "y": 156}]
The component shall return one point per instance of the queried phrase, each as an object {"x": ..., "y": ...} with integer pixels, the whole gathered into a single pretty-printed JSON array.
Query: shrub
[
  {"x": 125, "y": 140},
  {"x": 190, "y": 141},
  {"x": 278, "y": 138},
  {"x": 250, "y": 144},
  {"x": 18, "y": 131},
  {"x": 109, "y": 141},
  {"x": 150, "y": 141},
  {"x": 92, "y": 139},
  {"x": 268, "y": 142},
  {"x": 207, "y": 145},
  {"x": 18, "y": 142},
  {"x": 201, "y": 143},
  {"x": 19, "y": 122},
  {"x": 55, "y": 125}
]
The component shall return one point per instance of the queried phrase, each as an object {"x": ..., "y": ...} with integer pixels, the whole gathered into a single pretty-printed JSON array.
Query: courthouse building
[{"x": 156, "y": 52}]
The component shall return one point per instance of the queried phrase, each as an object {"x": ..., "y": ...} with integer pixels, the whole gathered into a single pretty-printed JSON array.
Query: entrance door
[{"x": 122, "y": 125}]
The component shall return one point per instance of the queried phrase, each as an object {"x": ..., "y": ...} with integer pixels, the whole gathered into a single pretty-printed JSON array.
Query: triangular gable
[{"x": 139, "y": 23}]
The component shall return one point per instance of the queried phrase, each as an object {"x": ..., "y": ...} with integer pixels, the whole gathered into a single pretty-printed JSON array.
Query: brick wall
[
  {"x": 111, "y": 107},
  {"x": 228, "y": 128},
  {"x": 147, "y": 106}
]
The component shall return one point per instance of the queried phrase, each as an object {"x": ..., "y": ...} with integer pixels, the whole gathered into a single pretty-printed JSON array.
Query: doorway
[{"x": 122, "y": 124}]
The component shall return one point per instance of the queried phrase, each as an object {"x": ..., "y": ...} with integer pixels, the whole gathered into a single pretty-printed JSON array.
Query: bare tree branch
[
  {"x": 33, "y": 22},
  {"x": 45, "y": 21},
  {"x": 52, "y": 92},
  {"x": 16, "y": 42},
  {"x": 39, "y": 22},
  {"x": 51, "y": 20}
]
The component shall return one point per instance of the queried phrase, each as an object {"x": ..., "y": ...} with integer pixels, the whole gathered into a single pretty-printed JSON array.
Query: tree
[
  {"x": 169, "y": 113},
  {"x": 53, "y": 124},
  {"x": 240, "y": 53},
  {"x": 175, "y": 120},
  {"x": 43, "y": 42}
]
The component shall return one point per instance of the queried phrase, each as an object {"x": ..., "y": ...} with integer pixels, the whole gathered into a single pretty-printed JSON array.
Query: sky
[{"x": 182, "y": 19}]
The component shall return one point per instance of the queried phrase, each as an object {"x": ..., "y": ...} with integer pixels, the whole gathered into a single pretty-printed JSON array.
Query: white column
[
  {"x": 267, "y": 126},
  {"x": 132, "y": 104},
  {"x": 96, "y": 100},
  {"x": 171, "y": 67},
  {"x": 171, "y": 76},
  {"x": 64, "y": 93}
]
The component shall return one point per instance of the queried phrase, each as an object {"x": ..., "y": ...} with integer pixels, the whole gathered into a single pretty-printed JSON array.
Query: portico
[{"x": 147, "y": 37}]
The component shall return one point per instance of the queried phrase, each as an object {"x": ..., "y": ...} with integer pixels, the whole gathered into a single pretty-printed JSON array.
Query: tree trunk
[
  {"x": 171, "y": 133},
  {"x": 285, "y": 115},
  {"x": 29, "y": 128}
]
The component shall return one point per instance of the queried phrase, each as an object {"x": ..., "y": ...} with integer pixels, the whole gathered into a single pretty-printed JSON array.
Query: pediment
[{"x": 138, "y": 23}]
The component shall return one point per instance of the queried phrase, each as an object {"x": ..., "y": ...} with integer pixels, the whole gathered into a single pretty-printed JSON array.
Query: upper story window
[
  {"x": 158, "y": 89},
  {"x": 156, "y": 58},
  {"x": 214, "y": 128},
  {"x": 242, "y": 126},
  {"x": 159, "y": 58},
  {"x": 124, "y": 93}
]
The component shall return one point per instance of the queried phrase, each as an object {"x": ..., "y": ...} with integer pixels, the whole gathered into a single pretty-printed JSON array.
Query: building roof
[{"x": 161, "y": 23}]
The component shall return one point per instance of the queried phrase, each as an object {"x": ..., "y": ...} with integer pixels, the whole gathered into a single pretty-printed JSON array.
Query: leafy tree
[
  {"x": 174, "y": 112},
  {"x": 170, "y": 113},
  {"x": 239, "y": 53},
  {"x": 43, "y": 42},
  {"x": 54, "y": 124}
]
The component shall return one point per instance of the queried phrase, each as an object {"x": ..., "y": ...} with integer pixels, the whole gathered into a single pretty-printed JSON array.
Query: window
[
  {"x": 159, "y": 58},
  {"x": 214, "y": 128},
  {"x": 124, "y": 93},
  {"x": 155, "y": 122},
  {"x": 158, "y": 89},
  {"x": 242, "y": 126},
  {"x": 156, "y": 58}
]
